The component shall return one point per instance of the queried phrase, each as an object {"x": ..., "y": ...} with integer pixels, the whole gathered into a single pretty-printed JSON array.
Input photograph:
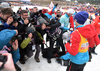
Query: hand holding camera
[
  {"x": 15, "y": 45},
  {"x": 9, "y": 20},
  {"x": 30, "y": 35},
  {"x": 9, "y": 65},
  {"x": 43, "y": 26},
  {"x": 26, "y": 21},
  {"x": 15, "y": 24}
]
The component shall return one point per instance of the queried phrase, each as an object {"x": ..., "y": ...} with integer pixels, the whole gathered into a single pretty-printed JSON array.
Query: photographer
[
  {"x": 22, "y": 24},
  {"x": 5, "y": 36},
  {"x": 5, "y": 18},
  {"x": 33, "y": 38}
]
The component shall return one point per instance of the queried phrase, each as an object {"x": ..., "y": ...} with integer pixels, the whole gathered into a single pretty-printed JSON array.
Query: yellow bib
[{"x": 83, "y": 45}]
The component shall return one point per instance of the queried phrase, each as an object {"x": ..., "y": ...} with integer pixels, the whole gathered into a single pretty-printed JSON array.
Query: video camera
[
  {"x": 32, "y": 21},
  {"x": 42, "y": 20}
]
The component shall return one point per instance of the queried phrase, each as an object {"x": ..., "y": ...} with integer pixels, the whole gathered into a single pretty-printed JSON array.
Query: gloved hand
[
  {"x": 56, "y": 4},
  {"x": 68, "y": 41}
]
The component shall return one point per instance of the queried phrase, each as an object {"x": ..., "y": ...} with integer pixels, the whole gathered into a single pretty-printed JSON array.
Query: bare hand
[
  {"x": 43, "y": 42},
  {"x": 15, "y": 24},
  {"x": 15, "y": 45},
  {"x": 48, "y": 27},
  {"x": 9, "y": 20},
  {"x": 30, "y": 35},
  {"x": 43, "y": 26},
  {"x": 26, "y": 21},
  {"x": 16, "y": 32},
  {"x": 9, "y": 65}
]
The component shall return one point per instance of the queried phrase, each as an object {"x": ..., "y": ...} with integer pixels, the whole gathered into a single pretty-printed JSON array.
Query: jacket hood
[{"x": 87, "y": 31}]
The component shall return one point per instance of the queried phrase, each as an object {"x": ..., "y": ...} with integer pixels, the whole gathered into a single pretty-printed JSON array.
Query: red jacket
[
  {"x": 71, "y": 22},
  {"x": 96, "y": 24},
  {"x": 88, "y": 32}
]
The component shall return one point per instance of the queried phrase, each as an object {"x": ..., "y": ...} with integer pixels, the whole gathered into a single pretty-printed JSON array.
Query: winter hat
[
  {"x": 70, "y": 11},
  {"x": 81, "y": 17},
  {"x": 5, "y": 5},
  {"x": 96, "y": 14}
]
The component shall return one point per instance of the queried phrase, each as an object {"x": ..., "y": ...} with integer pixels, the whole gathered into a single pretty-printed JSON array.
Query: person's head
[
  {"x": 6, "y": 13},
  {"x": 96, "y": 14},
  {"x": 20, "y": 9},
  {"x": 35, "y": 9},
  {"x": 70, "y": 12},
  {"x": 24, "y": 14},
  {"x": 81, "y": 17},
  {"x": 58, "y": 12},
  {"x": 31, "y": 10}
]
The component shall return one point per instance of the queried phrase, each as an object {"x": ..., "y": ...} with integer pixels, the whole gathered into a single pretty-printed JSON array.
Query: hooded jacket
[
  {"x": 73, "y": 54},
  {"x": 5, "y": 37},
  {"x": 96, "y": 24}
]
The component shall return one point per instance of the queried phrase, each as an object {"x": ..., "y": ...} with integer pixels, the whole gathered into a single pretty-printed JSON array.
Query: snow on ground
[{"x": 32, "y": 65}]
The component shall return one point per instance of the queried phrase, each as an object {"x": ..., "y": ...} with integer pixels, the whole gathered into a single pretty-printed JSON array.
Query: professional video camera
[
  {"x": 32, "y": 21},
  {"x": 42, "y": 20}
]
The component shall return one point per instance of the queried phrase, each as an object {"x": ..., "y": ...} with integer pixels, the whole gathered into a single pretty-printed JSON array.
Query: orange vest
[{"x": 83, "y": 45}]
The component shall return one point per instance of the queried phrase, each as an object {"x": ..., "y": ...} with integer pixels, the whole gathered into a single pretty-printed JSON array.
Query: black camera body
[
  {"x": 3, "y": 58},
  {"x": 15, "y": 18},
  {"x": 18, "y": 37}
]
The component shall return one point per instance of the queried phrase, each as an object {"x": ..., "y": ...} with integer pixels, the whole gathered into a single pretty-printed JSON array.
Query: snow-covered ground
[{"x": 32, "y": 65}]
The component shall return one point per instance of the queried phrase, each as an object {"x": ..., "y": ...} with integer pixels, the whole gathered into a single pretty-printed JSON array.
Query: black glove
[
  {"x": 56, "y": 4},
  {"x": 68, "y": 41}
]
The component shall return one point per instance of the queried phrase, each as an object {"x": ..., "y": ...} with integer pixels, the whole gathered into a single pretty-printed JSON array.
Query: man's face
[
  {"x": 35, "y": 10},
  {"x": 24, "y": 15},
  {"x": 5, "y": 17},
  {"x": 58, "y": 13}
]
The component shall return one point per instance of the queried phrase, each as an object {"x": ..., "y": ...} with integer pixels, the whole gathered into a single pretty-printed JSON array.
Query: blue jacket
[
  {"x": 49, "y": 15},
  {"x": 15, "y": 54},
  {"x": 64, "y": 20},
  {"x": 80, "y": 58},
  {"x": 5, "y": 37}
]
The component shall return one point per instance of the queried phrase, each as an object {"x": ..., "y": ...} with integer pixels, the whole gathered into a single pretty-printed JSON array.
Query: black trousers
[
  {"x": 22, "y": 51},
  {"x": 60, "y": 42},
  {"x": 75, "y": 67}
]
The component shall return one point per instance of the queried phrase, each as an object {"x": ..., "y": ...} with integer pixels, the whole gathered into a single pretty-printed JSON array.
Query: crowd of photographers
[{"x": 22, "y": 33}]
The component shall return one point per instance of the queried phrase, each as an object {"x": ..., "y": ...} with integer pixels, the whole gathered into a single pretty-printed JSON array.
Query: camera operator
[
  {"x": 54, "y": 29},
  {"x": 22, "y": 24},
  {"x": 51, "y": 28},
  {"x": 5, "y": 18}
]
